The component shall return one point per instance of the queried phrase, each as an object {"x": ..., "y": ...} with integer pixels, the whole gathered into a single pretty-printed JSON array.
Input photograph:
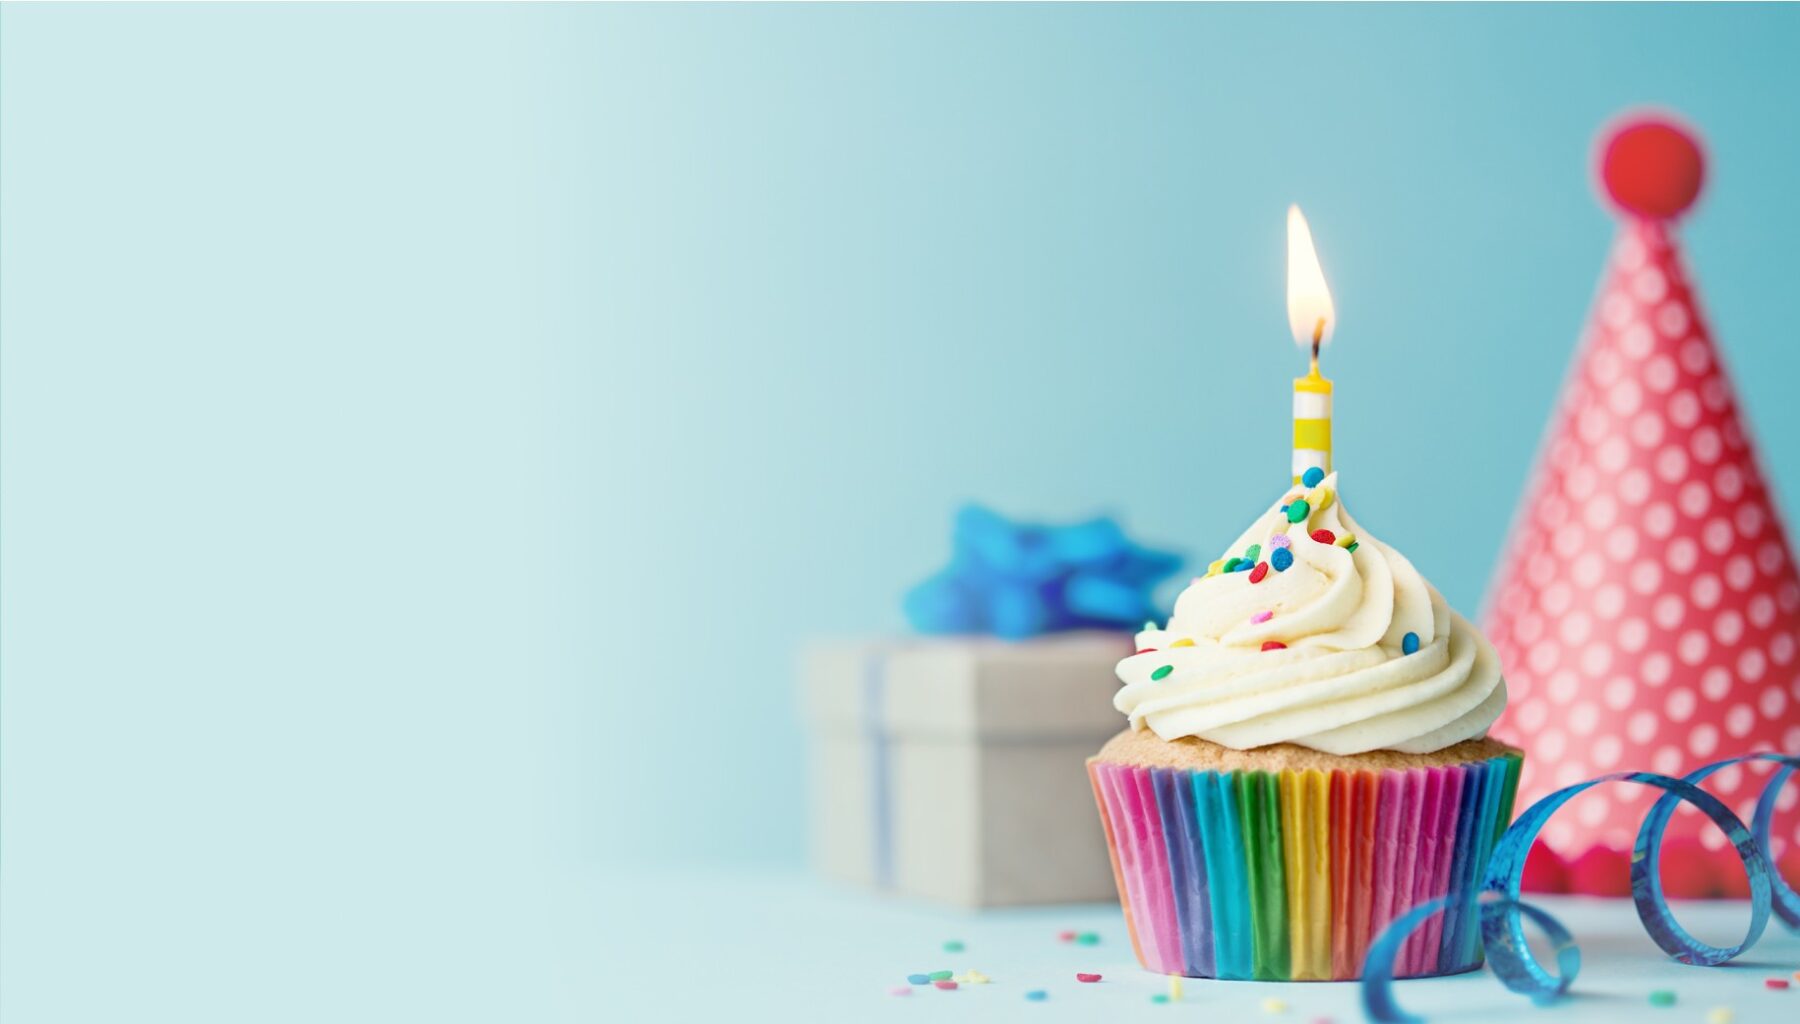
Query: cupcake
[{"x": 1306, "y": 760}]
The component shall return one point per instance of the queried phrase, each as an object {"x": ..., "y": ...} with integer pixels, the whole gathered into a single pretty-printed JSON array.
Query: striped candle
[
  {"x": 1312, "y": 423},
  {"x": 1311, "y": 317}
]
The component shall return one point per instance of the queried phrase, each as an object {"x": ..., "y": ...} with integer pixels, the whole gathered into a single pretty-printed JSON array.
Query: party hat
[{"x": 1647, "y": 609}]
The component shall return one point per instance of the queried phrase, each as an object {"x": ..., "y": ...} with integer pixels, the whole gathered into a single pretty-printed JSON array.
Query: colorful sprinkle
[
  {"x": 1253, "y": 552},
  {"x": 1037, "y": 995},
  {"x": 1298, "y": 511},
  {"x": 1159, "y": 997},
  {"x": 1346, "y": 540},
  {"x": 1215, "y": 567},
  {"x": 1065, "y": 936},
  {"x": 953, "y": 946},
  {"x": 1146, "y": 650},
  {"x": 1662, "y": 997},
  {"x": 1243, "y": 566},
  {"x": 1150, "y": 624},
  {"x": 1280, "y": 540},
  {"x": 1174, "y": 986},
  {"x": 1323, "y": 536},
  {"x": 1274, "y": 1006},
  {"x": 1261, "y": 617},
  {"x": 1777, "y": 983},
  {"x": 946, "y": 985},
  {"x": 1183, "y": 642},
  {"x": 1087, "y": 978},
  {"x": 974, "y": 978},
  {"x": 919, "y": 979},
  {"x": 1088, "y": 938},
  {"x": 1231, "y": 564},
  {"x": 1720, "y": 1015},
  {"x": 1409, "y": 644},
  {"x": 1282, "y": 559},
  {"x": 941, "y": 975},
  {"x": 903, "y": 990},
  {"x": 1257, "y": 574},
  {"x": 1273, "y": 645},
  {"x": 1352, "y": 546},
  {"x": 1161, "y": 673},
  {"x": 1320, "y": 498},
  {"x": 1312, "y": 476}
]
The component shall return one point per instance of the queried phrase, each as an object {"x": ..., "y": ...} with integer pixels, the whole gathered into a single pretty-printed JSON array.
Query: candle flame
[{"x": 1311, "y": 315}]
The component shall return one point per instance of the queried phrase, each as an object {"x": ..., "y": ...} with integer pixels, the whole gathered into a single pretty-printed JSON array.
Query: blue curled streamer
[
  {"x": 1018, "y": 580},
  {"x": 1502, "y": 912}
]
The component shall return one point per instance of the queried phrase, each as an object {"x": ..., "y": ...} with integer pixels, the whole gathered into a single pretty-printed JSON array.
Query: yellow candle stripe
[{"x": 1314, "y": 434}]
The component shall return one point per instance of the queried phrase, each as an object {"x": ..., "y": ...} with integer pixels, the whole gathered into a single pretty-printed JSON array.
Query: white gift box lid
[{"x": 973, "y": 687}]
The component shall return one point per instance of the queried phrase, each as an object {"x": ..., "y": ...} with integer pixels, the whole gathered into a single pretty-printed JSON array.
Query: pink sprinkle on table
[
  {"x": 1775, "y": 983},
  {"x": 903, "y": 990},
  {"x": 1070, "y": 936},
  {"x": 945, "y": 985},
  {"x": 1090, "y": 978}
]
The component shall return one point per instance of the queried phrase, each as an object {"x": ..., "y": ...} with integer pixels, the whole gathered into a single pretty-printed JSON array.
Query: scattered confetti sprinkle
[
  {"x": 941, "y": 975},
  {"x": 1274, "y": 645},
  {"x": 1216, "y": 567},
  {"x": 1662, "y": 997},
  {"x": 1282, "y": 559},
  {"x": 975, "y": 978},
  {"x": 953, "y": 946},
  {"x": 1174, "y": 986},
  {"x": 1409, "y": 644},
  {"x": 903, "y": 990},
  {"x": 1183, "y": 642},
  {"x": 1150, "y": 624},
  {"x": 1348, "y": 540},
  {"x": 1323, "y": 536},
  {"x": 1159, "y": 998},
  {"x": 1087, "y": 978},
  {"x": 1320, "y": 497},
  {"x": 1775, "y": 983},
  {"x": 1298, "y": 511},
  {"x": 1312, "y": 476},
  {"x": 1088, "y": 938},
  {"x": 1257, "y": 574},
  {"x": 1037, "y": 995},
  {"x": 1323, "y": 1020},
  {"x": 1065, "y": 936},
  {"x": 1352, "y": 546},
  {"x": 919, "y": 979},
  {"x": 1231, "y": 564},
  {"x": 947, "y": 985},
  {"x": 1146, "y": 650},
  {"x": 1720, "y": 1015},
  {"x": 1262, "y": 616},
  {"x": 1280, "y": 540},
  {"x": 1253, "y": 552},
  {"x": 1243, "y": 566},
  {"x": 1274, "y": 1006},
  {"x": 1161, "y": 673}
]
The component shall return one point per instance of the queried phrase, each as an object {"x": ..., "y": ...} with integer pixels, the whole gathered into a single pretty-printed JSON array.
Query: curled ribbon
[{"x": 1503, "y": 913}]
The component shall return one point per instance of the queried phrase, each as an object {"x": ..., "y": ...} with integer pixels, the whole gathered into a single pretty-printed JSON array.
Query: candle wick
[{"x": 1318, "y": 335}]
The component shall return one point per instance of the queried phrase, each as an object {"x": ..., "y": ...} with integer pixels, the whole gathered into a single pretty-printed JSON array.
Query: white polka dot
[
  {"x": 1532, "y": 715},
  {"x": 1619, "y": 692},
  {"x": 1696, "y": 358},
  {"x": 1728, "y": 628},
  {"x": 1672, "y": 464},
  {"x": 1660, "y": 374},
  {"x": 1788, "y": 597},
  {"x": 1749, "y": 520},
  {"x": 1549, "y": 744},
  {"x": 1580, "y": 483},
  {"x": 1607, "y": 750},
  {"x": 1715, "y": 393},
  {"x": 1790, "y": 740},
  {"x": 1666, "y": 761},
  {"x": 1632, "y": 634},
  {"x": 1629, "y": 253},
  {"x": 1615, "y": 309},
  {"x": 1672, "y": 320},
  {"x": 1609, "y": 600},
  {"x": 1734, "y": 436},
  {"x": 1772, "y": 702},
  {"x": 1541, "y": 659},
  {"x": 1591, "y": 424},
  {"x": 1587, "y": 569},
  {"x": 1564, "y": 685},
  {"x": 1715, "y": 683},
  {"x": 1703, "y": 739},
  {"x": 1706, "y": 590},
  {"x": 1583, "y": 717},
  {"x": 1538, "y": 570},
  {"x": 1770, "y": 557},
  {"x": 1694, "y": 499},
  {"x": 1706, "y": 445},
  {"x": 1692, "y": 647},
  {"x": 1647, "y": 430},
  {"x": 1684, "y": 409},
  {"x": 1634, "y": 486},
  {"x": 1739, "y": 573},
  {"x": 1575, "y": 628},
  {"x": 1599, "y": 512},
  {"x": 1595, "y": 660},
  {"x": 1645, "y": 577},
  {"x": 1625, "y": 396},
  {"x": 1717, "y": 535},
  {"x": 1604, "y": 367},
  {"x": 1656, "y": 668},
  {"x": 1650, "y": 285},
  {"x": 1740, "y": 720},
  {"x": 1681, "y": 554},
  {"x": 1781, "y": 647},
  {"x": 1556, "y": 598},
  {"x": 1729, "y": 482},
  {"x": 1567, "y": 540},
  {"x": 1680, "y": 704},
  {"x": 1710, "y": 837},
  {"x": 1667, "y": 611},
  {"x": 1528, "y": 627},
  {"x": 1591, "y": 811},
  {"x": 1636, "y": 340},
  {"x": 1612, "y": 454},
  {"x": 1752, "y": 663},
  {"x": 1641, "y": 726},
  {"x": 1761, "y": 611},
  {"x": 1659, "y": 519}
]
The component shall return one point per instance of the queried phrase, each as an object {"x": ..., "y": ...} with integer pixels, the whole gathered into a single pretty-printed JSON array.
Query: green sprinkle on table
[
  {"x": 1662, "y": 997},
  {"x": 953, "y": 946},
  {"x": 940, "y": 975}
]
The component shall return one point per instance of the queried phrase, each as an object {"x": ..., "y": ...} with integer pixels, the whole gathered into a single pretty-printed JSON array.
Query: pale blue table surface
[{"x": 774, "y": 946}]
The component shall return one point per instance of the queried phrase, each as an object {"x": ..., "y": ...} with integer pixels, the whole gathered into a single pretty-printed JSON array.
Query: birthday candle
[{"x": 1311, "y": 317}]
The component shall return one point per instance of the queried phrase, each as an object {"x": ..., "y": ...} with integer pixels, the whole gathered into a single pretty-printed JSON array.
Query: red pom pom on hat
[{"x": 1651, "y": 166}]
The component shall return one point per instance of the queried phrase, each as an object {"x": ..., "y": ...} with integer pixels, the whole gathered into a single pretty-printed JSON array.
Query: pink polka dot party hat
[{"x": 1647, "y": 607}]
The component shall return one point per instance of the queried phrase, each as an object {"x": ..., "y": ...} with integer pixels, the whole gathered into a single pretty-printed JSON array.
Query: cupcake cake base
[{"x": 1283, "y": 863}]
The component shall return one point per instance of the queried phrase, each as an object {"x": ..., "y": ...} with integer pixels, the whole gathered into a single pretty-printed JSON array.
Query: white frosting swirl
[{"x": 1343, "y": 683}]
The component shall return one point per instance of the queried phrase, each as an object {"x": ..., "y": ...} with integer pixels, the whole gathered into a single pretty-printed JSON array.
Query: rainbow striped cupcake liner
[{"x": 1289, "y": 876}]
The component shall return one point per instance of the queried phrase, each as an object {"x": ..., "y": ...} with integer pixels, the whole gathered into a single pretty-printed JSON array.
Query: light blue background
[{"x": 430, "y": 431}]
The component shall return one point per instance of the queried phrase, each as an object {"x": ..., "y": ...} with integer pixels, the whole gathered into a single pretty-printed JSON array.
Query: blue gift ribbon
[
  {"x": 1503, "y": 914},
  {"x": 1017, "y": 580}
]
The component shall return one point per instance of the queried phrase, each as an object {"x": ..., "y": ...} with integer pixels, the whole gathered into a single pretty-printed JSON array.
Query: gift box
[{"x": 952, "y": 769}]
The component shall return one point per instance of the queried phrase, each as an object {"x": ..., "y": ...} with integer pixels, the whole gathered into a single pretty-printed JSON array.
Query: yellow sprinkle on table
[
  {"x": 1720, "y": 1015},
  {"x": 1274, "y": 1006},
  {"x": 1183, "y": 642},
  {"x": 1174, "y": 986}
]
